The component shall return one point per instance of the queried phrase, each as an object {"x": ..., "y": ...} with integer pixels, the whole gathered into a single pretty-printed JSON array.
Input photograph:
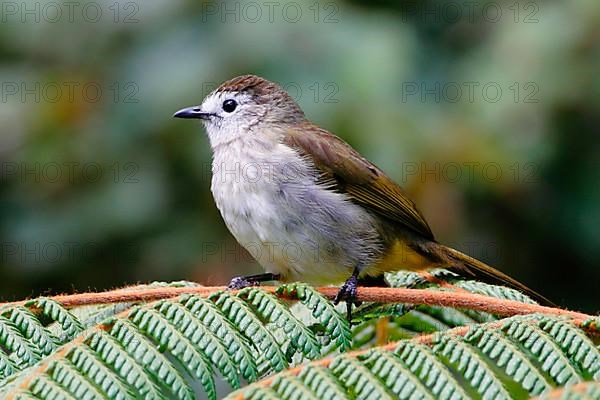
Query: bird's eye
[{"x": 229, "y": 105}]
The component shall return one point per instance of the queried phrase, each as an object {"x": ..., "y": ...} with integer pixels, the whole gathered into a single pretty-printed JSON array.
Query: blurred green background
[{"x": 486, "y": 112}]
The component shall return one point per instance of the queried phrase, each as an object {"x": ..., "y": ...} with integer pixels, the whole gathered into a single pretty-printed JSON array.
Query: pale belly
[
  {"x": 281, "y": 240},
  {"x": 296, "y": 228}
]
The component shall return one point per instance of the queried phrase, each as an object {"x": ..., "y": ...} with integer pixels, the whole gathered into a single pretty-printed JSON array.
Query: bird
[{"x": 306, "y": 205}]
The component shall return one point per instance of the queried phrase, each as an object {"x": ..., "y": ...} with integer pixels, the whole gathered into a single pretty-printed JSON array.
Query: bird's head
[{"x": 244, "y": 105}]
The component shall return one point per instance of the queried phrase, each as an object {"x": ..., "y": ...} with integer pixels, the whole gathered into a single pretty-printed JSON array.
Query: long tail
[{"x": 465, "y": 264}]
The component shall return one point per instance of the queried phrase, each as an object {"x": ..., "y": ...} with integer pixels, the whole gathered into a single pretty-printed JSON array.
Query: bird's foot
[
  {"x": 347, "y": 293},
  {"x": 240, "y": 282}
]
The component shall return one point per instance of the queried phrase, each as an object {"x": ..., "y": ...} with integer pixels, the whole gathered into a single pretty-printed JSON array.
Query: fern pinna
[{"x": 292, "y": 343}]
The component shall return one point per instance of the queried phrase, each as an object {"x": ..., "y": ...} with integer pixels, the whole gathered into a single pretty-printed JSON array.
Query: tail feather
[{"x": 464, "y": 263}]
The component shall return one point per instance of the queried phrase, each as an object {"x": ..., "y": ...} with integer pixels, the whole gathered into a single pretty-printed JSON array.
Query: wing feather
[{"x": 365, "y": 183}]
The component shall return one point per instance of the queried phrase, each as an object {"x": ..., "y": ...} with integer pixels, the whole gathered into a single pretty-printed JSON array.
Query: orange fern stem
[{"x": 472, "y": 301}]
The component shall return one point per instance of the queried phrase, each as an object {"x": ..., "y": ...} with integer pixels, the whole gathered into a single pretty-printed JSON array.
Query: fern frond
[
  {"x": 494, "y": 344},
  {"x": 471, "y": 366},
  {"x": 591, "y": 323},
  {"x": 359, "y": 380},
  {"x": 112, "y": 353},
  {"x": 70, "y": 325},
  {"x": 422, "y": 322},
  {"x": 206, "y": 341},
  {"x": 33, "y": 330},
  {"x": 500, "y": 292},
  {"x": 262, "y": 393},
  {"x": 25, "y": 395},
  {"x": 88, "y": 364},
  {"x": 422, "y": 361},
  {"x": 405, "y": 279},
  {"x": 574, "y": 344},
  {"x": 64, "y": 372},
  {"x": 414, "y": 279},
  {"x": 21, "y": 351},
  {"x": 292, "y": 388},
  {"x": 273, "y": 310},
  {"x": 450, "y": 317},
  {"x": 122, "y": 357},
  {"x": 335, "y": 325},
  {"x": 45, "y": 388},
  {"x": 395, "y": 375},
  {"x": 322, "y": 382},
  {"x": 235, "y": 343},
  {"x": 543, "y": 348},
  {"x": 161, "y": 330},
  {"x": 161, "y": 349},
  {"x": 241, "y": 315},
  {"x": 7, "y": 366},
  {"x": 524, "y": 350},
  {"x": 146, "y": 354}
]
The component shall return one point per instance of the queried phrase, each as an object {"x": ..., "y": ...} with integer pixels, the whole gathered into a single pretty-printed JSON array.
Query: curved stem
[{"x": 459, "y": 299}]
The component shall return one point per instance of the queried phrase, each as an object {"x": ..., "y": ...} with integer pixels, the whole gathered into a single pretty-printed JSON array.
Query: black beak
[{"x": 192, "y": 112}]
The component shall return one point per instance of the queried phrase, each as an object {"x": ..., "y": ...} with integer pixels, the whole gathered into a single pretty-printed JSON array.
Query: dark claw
[
  {"x": 239, "y": 282},
  {"x": 347, "y": 293}
]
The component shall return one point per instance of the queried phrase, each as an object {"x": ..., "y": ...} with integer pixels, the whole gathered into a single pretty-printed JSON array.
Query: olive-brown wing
[{"x": 351, "y": 173}]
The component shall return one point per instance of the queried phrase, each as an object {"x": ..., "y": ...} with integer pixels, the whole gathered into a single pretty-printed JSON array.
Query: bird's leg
[
  {"x": 240, "y": 282},
  {"x": 348, "y": 293}
]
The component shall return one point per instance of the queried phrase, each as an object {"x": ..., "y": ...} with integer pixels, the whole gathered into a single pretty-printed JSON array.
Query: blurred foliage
[{"x": 100, "y": 186}]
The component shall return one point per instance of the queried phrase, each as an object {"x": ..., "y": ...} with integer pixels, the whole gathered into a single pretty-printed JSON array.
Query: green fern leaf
[
  {"x": 544, "y": 349},
  {"x": 65, "y": 373},
  {"x": 111, "y": 352},
  {"x": 86, "y": 361},
  {"x": 480, "y": 316},
  {"x": 322, "y": 382},
  {"x": 242, "y": 316},
  {"x": 236, "y": 345},
  {"x": 404, "y": 279},
  {"x": 273, "y": 310},
  {"x": 33, "y": 330},
  {"x": 424, "y": 363},
  {"x": 204, "y": 339},
  {"x": 422, "y": 322},
  {"x": 448, "y": 316},
  {"x": 500, "y": 292},
  {"x": 50, "y": 308},
  {"x": 45, "y": 388},
  {"x": 261, "y": 393},
  {"x": 591, "y": 323},
  {"x": 141, "y": 351},
  {"x": 414, "y": 279},
  {"x": 371, "y": 311},
  {"x": 145, "y": 353},
  {"x": 575, "y": 345},
  {"x": 335, "y": 324},
  {"x": 508, "y": 356},
  {"x": 160, "y": 329},
  {"x": 358, "y": 379},
  {"x": 7, "y": 366},
  {"x": 390, "y": 369},
  {"x": 466, "y": 360},
  {"x": 291, "y": 388},
  {"x": 22, "y": 351}
]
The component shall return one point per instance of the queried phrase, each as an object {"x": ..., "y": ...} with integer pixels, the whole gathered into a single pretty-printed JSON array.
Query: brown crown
[
  {"x": 264, "y": 92},
  {"x": 249, "y": 83}
]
